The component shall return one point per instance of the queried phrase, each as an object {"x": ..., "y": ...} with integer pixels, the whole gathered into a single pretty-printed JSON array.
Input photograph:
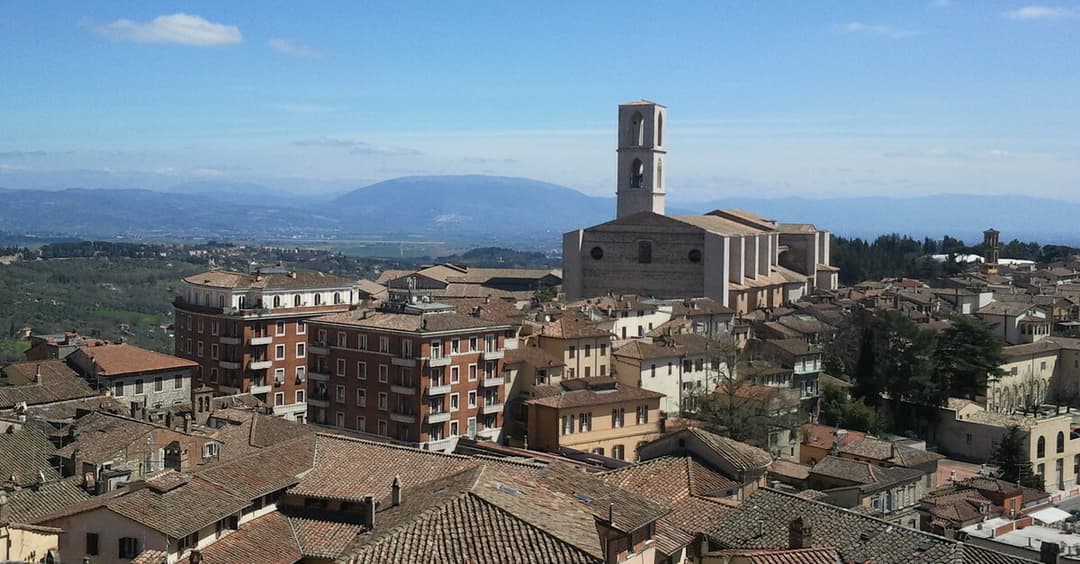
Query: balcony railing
[
  {"x": 438, "y": 390},
  {"x": 403, "y": 390},
  {"x": 229, "y": 364},
  {"x": 257, "y": 389},
  {"x": 403, "y": 361},
  {"x": 493, "y": 382},
  {"x": 493, "y": 354},
  {"x": 490, "y": 408},
  {"x": 319, "y": 375},
  {"x": 437, "y": 361},
  {"x": 260, "y": 364},
  {"x": 263, "y": 340},
  {"x": 441, "y": 417},
  {"x": 319, "y": 400},
  {"x": 230, "y": 340},
  {"x": 319, "y": 347},
  {"x": 401, "y": 417}
]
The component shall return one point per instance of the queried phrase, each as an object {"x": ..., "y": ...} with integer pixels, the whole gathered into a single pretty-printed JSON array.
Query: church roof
[
  {"x": 718, "y": 225},
  {"x": 643, "y": 102}
]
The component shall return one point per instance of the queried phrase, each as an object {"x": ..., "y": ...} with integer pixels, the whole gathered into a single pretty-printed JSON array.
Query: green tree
[
  {"x": 1012, "y": 460},
  {"x": 839, "y": 410},
  {"x": 967, "y": 353}
]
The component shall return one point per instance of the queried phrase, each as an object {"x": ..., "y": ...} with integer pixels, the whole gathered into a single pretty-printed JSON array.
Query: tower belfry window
[
  {"x": 660, "y": 130},
  {"x": 637, "y": 174},
  {"x": 659, "y": 174},
  {"x": 637, "y": 130}
]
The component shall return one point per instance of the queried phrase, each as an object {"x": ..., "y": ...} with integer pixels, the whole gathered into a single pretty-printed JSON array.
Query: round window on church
[
  {"x": 694, "y": 256},
  {"x": 596, "y": 253}
]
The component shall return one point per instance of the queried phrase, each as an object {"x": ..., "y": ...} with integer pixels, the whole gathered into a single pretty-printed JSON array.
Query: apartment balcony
[
  {"x": 437, "y": 361},
  {"x": 319, "y": 347},
  {"x": 264, "y": 340},
  {"x": 319, "y": 400},
  {"x": 226, "y": 340},
  {"x": 438, "y": 390},
  {"x": 403, "y": 390},
  {"x": 257, "y": 389},
  {"x": 320, "y": 376},
  {"x": 403, "y": 417},
  {"x": 260, "y": 364},
  {"x": 441, "y": 445},
  {"x": 493, "y": 355},
  {"x": 402, "y": 361},
  {"x": 434, "y": 418},
  {"x": 490, "y": 408},
  {"x": 493, "y": 382},
  {"x": 229, "y": 364}
]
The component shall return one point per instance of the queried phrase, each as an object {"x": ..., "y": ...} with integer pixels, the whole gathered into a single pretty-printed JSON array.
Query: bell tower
[{"x": 641, "y": 158}]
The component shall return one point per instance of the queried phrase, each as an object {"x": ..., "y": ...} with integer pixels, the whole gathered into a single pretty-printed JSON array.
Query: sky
[{"x": 770, "y": 98}]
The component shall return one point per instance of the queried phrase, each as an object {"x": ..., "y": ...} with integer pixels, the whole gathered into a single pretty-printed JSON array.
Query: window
[
  {"x": 339, "y": 395},
  {"x": 406, "y": 348},
  {"x": 159, "y": 385},
  {"x": 342, "y": 340},
  {"x": 277, "y": 301},
  {"x": 968, "y": 439},
  {"x": 596, "y": 253},
  {"x": 618, "y": 452},
  {"x": 570, "y": 373},
  {"x": 214, "y": 327},
  {"x": 454, "y": 402},
  {"x": 199, "y": 348},
  {"x": 644, "y": 252},
  {"x": 1060, "y": 442},
  {"x": 455, "y": 374},
  {"x": 300, "y": 370},
  {"x": 652, "y": 371},
  {"x": 92, "y": 544},
  {"x": 1040, "y": 449},
  {"x": 588, "y": 371},
  {"x": 383, "y": 401},
  {"x": 279, "y": 352},
  {"x": 568, "y": 424},
  {"x": 189, "y": 344},
  {"x": 361, "y": 370},
  {"x": 280, "y": 327},
  {"x": 300, "y": 350},
  {"x": 318, "y": 301},
  {"x": 694, "y": 255},
  {"x": 472, "y": 372},
  {"x": 339, "y": 419},
  {"x": 138, "y": 386},
  {"x": 301, "y": 328},
  {"x": 454, "y": 430},
  {"x": 472, "y": 344},
  {"x": 213, "y": 351},
  {"x": 299, "y": 396},
  {"x": 642, "y": 414},
  {"x": 296, "y": 300},
  {"x": 1041, "y": 470},
  {"x": 279, "y": 376},
  {"x": 199, "y": 325},
  {"x": 382, "y": 427},
  {"x": 361, "y": 424},
  {"x": 617, "y": 415},
  {"x": 455, "y": 346},
  {"x": 603, "y": 349},
  {"x": 384, "y": 344},
  {"x": 436, "y": 349},
  {"x": 361, "y": 341},
  {"x": 1042, "y": 366},
  {"x": 279, "y": 398},
  {"x": 603, "y": 370},
  {"x": 588, "y": 351},
  {"x": 340, "y": 367},
  {"x": 384, "y": 373},
  {"x": 129, "y": 547},
  {"x": 584, "y": 422},
  {"x": 472, "y": 399},
  {"x": 361, "y": 397},
  {"x": 213, "y": 375}
]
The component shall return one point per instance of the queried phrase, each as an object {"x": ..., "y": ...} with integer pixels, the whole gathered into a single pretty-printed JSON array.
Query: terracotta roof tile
[
  {"x": 298, "y": 280},
  {"x": 583, "y": 397},
  {"x": 28, "y": 504},
  {"x": 116, "y": 360},
  {"x": 264, "y": 540}
]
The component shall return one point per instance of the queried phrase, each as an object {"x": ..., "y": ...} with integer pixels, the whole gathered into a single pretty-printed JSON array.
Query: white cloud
[
  {"x": 294, "y": 48},
  {"x": 383, "y": 150},
  {"x": 208, "y": 172},
  {"x": 1041, "y": 13},
  {"x": 182, "y": 29},
  {"x": 876, "y": 30}
]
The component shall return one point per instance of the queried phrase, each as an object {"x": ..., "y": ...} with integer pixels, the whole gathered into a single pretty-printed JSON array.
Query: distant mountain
[
  {"x": 470, "y": 204},
  {"x": 491, "y": 211}
]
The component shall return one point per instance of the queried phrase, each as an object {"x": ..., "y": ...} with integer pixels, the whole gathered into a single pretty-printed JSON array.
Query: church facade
[{"x": 736, "y": 257}]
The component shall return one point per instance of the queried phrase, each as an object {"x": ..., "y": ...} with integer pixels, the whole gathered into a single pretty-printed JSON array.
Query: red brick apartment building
[
  {"x": 248, "y": 332},
  {"x": 422, "y": 373}
]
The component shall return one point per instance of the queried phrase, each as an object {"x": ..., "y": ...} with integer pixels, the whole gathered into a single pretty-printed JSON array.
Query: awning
[{"x": 1050, "y": 515}]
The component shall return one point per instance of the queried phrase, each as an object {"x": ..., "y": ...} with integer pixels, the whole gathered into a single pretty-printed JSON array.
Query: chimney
[
  {"x": 395, "y": 492},
  {"x": 799, "y": 534},
  {"x": 187, "y": 423},
  {"x": 5, "y": 509},
  {"x": 611, "y": 513},
  {"x": 37, "y": 374},
  {"x": 367, "y": 512},
  {"x": 1050, "y": 553},
  {"x": 196, "y": 557}
]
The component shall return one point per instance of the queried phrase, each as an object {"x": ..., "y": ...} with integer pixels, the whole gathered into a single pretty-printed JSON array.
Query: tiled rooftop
[{"x": 117, "y": 360}]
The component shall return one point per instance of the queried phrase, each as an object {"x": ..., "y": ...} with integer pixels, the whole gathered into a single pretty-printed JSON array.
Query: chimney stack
[
  {"x": 799, "y": 534},
  {"x": 395, "y": 492},
  {"x": 1050, "y": 553},
  {"x": 187, "y": 423},
  {"x": 37, "y": 374}
]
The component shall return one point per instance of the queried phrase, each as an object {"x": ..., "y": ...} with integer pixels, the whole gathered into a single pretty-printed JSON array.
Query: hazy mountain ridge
[{"x": 464, "y": 206}]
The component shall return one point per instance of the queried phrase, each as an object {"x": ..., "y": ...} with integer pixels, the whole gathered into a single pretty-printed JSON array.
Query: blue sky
[{"x": 775, "y": 98}]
